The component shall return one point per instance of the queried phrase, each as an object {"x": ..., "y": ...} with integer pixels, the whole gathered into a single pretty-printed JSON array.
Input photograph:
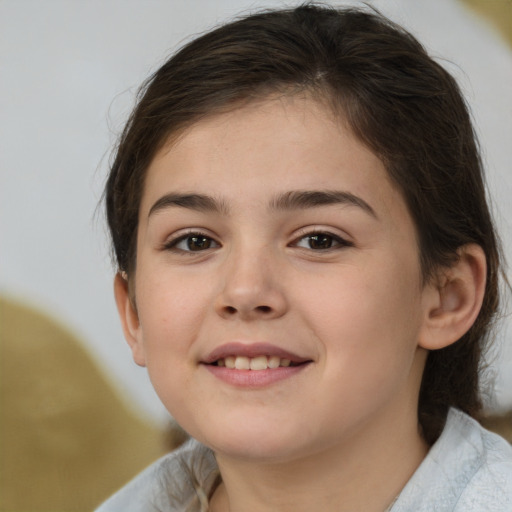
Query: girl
[{"x": 308, "y": 269}]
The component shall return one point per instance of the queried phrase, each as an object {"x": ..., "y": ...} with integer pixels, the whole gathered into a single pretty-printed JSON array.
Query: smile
[{"x": 253, "y": 363}]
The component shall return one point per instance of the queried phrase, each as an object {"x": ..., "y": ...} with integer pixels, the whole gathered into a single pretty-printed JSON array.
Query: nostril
[{"x": 232, "y": 311}]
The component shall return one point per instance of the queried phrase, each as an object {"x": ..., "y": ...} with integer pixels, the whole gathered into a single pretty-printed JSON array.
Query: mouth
[
  {"x": 253, "y": 365},
  {"x": 257, "y": 363},
  {"x": 253, "y": 356}
]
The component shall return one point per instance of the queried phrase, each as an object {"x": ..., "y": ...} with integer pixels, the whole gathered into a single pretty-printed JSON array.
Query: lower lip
[{"x": 255, "y": 378}]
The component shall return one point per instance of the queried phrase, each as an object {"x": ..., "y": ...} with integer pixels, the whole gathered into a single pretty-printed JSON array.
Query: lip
[
  {"x": 254, "y": 379},
  {"x": 252, "y": 350}
]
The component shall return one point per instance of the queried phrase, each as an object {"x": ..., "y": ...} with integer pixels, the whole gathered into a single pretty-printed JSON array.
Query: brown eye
[
  {"x": 194, "y": 242},
  {"x": 198, "y": 243},
  {"x": 321, "y": 242}
]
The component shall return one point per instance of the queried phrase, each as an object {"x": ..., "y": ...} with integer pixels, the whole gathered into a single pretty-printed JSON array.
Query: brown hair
[{"x": 398, "y": 101}]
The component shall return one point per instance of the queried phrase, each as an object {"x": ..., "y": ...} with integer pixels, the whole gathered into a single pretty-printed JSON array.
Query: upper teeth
[{"x": 253, "y": 363}]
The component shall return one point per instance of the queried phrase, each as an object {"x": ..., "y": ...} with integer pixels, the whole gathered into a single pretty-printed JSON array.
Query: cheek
[
  {"x": 369, "y": 320},
  {"x": 170, "y": 313}
]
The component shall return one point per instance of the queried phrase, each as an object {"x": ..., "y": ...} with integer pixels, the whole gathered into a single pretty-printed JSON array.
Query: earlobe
[
  {"x": 453, "y": 303},
  {"x": 129, "y": 318}
]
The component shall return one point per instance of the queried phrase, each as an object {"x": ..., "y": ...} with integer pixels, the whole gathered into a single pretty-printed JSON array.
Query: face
[{"x": 278, "y": 287}]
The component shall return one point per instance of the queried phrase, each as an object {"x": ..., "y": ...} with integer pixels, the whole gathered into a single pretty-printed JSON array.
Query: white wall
[{"x": 68, "y": 73}]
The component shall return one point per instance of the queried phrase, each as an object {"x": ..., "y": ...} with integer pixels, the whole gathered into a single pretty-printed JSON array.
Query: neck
[{"x": 365, "y": 473}]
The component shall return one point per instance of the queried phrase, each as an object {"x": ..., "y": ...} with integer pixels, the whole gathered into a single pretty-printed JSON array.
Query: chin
[
  {"x": 257, "y": 442},
  {"x": 261, "y": 452}
]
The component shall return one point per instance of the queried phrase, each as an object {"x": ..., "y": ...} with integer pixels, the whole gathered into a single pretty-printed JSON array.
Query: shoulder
[
  {"x": 171, "y": 484},
  {"x": 469, "y": 469},
  {"x": 490, "y": 486}
]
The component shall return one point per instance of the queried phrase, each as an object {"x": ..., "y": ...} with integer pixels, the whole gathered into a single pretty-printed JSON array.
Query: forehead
[{"x": 264, "y": 149}]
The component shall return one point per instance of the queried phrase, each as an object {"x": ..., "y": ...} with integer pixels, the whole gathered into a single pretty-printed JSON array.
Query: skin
[{"x": 342, "y": 433}]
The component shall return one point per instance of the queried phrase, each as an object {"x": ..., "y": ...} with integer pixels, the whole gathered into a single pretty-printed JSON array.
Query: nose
[{"x": 251, "y": 288}]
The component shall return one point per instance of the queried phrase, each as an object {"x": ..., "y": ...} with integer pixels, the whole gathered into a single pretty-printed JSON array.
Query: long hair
[{"x": 397, "y": 100}]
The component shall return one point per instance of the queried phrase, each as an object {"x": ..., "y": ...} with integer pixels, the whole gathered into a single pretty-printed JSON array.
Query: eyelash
[
  {"x": 336, "y": 241},
  {"x": 172, "y": 245}
]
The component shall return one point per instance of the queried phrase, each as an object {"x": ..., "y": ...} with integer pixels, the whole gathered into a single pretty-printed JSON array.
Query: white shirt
[{"x": 468, "y": 469}]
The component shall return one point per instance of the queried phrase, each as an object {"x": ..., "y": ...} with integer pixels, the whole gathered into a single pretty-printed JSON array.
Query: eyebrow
[
  {"x": 300, "y": 199},
  {"x": 292, "y": 200},
  {"x": 198, "y": 202}
]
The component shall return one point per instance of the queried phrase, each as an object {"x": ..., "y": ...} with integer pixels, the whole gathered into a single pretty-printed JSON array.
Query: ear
[
  {"x": 453, "y": 301},
  {"x": 129, "y": 318}
]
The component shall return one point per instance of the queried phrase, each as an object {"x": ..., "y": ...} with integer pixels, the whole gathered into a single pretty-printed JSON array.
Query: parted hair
[{"x": 396, "y": 99}]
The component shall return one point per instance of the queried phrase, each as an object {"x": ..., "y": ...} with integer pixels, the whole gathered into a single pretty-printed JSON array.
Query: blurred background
[{"x": 77, "y": 417}]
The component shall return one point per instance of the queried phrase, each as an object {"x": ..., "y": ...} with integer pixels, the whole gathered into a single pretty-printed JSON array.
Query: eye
[
  {"x": 192, "y": 242},
  {"x": 320, "y": 241}
]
